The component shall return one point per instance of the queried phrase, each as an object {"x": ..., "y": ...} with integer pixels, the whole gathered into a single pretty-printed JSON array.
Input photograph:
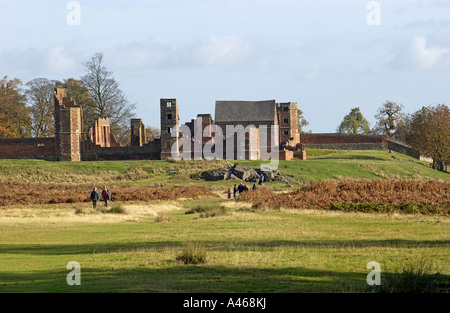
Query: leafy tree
[
  {"x": 389, "y": 116},
  {"x": 429, "y": 132},
  {"x": 354, "y": 123},
  {"x": 110, "y": 100},
  {"x": 302, "y": 122},
  {"x": 14, "y": 115},
  {"x": 40, "y": 95}
]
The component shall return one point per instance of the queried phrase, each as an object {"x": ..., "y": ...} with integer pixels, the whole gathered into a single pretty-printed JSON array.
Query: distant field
[{"x": 273, "y": 245}]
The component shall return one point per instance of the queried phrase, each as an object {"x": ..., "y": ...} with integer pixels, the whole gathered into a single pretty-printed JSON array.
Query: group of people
[
  {"x": 239, "y": 189},
  {"x": 95, "y": 196}
]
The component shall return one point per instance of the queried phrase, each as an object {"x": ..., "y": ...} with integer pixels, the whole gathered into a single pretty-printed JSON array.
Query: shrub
[
  {"x": 192, "y": 253},
  {"x": 118, "y": 209},
  {"x": 414, "y": 278},
  {"x": 80, "y": 211},
  {"x": 220, "y": 211},
  {"x": 162, "y": 218},
  {"x": 208, "y": 210}
]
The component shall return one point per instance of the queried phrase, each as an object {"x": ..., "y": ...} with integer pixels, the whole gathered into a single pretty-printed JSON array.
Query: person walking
[
  {"x": 106, "y": 195},
  {"x": 234, "y": 191},
  {"x": 229, "y": 193},
  {"x": 95, "y": 197},
  {"x": 261, "y": 179}
]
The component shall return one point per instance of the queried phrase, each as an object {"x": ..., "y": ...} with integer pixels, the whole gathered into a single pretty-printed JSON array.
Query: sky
[{"x": 329, "y": 56}]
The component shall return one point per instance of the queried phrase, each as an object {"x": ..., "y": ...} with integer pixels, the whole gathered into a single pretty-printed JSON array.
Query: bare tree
[
  {"x": 389, "y": 116},
  {"x": 40, "y": 96},
  {"x": 110, "y": 100}
]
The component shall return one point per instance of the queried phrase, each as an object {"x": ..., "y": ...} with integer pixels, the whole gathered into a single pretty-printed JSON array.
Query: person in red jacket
[{"x": 106, "y": 195}]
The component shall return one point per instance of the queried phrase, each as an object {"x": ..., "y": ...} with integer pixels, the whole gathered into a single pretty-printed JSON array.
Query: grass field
[{"x": 246, "y": 248}]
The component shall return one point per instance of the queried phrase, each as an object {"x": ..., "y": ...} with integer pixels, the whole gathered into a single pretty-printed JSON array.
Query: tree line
[
  {"x": 27, "y": 110},
  {"x": 426, "y": 130}
]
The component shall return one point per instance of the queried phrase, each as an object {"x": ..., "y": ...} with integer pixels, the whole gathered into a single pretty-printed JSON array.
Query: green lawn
[
  {"x": 271, "y": 251},
  {"x": 247, "y": 250}
]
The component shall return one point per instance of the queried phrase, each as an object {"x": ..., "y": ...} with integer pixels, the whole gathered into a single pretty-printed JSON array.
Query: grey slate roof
[{"x": 245, "y": 111}]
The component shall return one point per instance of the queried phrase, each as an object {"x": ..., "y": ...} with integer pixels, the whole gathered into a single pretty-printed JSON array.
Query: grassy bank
[{"x": 321, "y": 164}]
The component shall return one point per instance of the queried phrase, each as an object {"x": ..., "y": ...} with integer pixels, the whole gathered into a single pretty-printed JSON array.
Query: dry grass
[
  {"x": 325, "y": 194},
  {"x": 17, "y": 193},
  {"x": 59, "y": 214}
]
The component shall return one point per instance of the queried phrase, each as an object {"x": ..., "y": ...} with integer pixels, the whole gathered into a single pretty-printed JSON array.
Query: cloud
[
  {"x": 420, "y": 55},
  {"x": 210, "y": 52},
  {"x": 59, "y": 62},
  {"x": 223, "y": 50}
]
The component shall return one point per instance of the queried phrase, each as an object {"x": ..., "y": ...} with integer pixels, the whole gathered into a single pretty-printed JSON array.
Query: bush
[
  {"x": 221, "y": 211},
  {"x": 405, "y": 208},
  {"x": 162, "y": 218},
  {"x": 414, "y": 278},
  {"x": 118, "y": 209},
  {"x": 85, "y": 211},
  {"x": 192, "y": 253},
  {"x": 80, "y": 211},
  {"x": 207, "y": 210}
]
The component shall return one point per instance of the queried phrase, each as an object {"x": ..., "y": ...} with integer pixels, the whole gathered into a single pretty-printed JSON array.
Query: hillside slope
[{"x": 320, "y": 165}]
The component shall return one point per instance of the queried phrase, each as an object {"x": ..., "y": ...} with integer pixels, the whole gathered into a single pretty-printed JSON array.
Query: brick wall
[
  {"x": 32, "y": 148},
  {"x": 149, "y": 151},
  {"x": 344, "y": 141}
]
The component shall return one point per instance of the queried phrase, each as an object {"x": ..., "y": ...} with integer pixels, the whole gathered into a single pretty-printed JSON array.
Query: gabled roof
[{"x": 245, "y": 111}]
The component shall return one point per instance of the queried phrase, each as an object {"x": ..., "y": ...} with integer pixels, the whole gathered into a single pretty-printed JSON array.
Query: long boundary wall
[
  {"x": 149, "y": 151},
  {"x": 28, "y": 148}
]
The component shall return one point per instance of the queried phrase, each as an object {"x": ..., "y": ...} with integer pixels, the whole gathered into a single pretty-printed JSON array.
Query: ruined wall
[
  {"x": 344, "y": 141},
  {"x": 149, "y": 151},
  {"x": 27, "y": 148},
  {"x": 100, "y": 133},
  {"x": 138, "y": 137},
  {"x": 401, "y": 148},
  {"x": 68, "y": 127}
]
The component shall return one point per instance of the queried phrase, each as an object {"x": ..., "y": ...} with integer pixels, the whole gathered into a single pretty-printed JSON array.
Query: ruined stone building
[
  {"x": 98, "y": 143},
  {"x": 247, "y": 119}
]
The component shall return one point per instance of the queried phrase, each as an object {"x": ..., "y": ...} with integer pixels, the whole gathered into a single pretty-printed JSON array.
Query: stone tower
[
  {"x": 288, "y": 121},
  {"x": 138, "y": 138},
  {"x": 169, "y": 126},
  {"x": 68, "y": 127}
]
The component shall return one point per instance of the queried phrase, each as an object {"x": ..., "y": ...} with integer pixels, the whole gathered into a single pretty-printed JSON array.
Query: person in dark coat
[
  {"x": 95, "y": 197},
  {"x": 234, "y": 191},
  {"x": 106, "y": 195}
]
